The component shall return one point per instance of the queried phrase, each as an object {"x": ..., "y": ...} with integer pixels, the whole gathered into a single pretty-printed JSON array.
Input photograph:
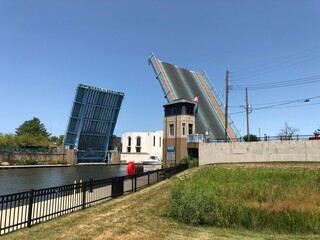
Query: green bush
[
  {"x": 192, "y": 162},
  {"x": 253, "y": 199},
  {"x": 26, "y": 162},
  {"x": 63, "y": 162}
]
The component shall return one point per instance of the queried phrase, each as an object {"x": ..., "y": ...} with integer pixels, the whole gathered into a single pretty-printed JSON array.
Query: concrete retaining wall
[
  {"x": 10, "y": 157},
  {"x": 291, "y": 151}
]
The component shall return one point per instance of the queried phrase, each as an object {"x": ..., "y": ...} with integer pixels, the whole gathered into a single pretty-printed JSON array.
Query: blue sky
[{"x": 48, "y": 47}]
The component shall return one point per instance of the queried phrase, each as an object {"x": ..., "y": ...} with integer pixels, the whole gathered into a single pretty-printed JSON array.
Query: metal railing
[
  {"x": 25, "y": 209},
  {"x": 195, "y": 138},
  {"x": 268, "y": 138}
]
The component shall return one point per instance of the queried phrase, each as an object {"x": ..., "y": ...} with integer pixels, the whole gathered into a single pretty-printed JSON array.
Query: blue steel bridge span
[
  {"x": 92, "y": 121},
  {"x": 177, "y": 82}
]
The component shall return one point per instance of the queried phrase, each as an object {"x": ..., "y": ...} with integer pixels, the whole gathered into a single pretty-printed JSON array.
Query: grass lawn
[{"x": 136, "y": 216}]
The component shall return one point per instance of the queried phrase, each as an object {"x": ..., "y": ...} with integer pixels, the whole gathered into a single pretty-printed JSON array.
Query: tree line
[{"x": 31, "y": 134}]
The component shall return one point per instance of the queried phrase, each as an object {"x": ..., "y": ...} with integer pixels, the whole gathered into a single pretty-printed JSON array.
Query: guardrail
[
  {"x": 195, "y": 138},
  {"x": 25, "y": 209},
  {"x": 268, "y": 138}
]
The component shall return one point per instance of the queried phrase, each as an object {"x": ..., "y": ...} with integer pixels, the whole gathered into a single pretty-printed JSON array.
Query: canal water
[{"x": 20, "y": 180}]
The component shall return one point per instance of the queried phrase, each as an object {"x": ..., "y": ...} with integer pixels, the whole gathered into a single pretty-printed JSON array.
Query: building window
[
  {"x": 138, "y": 144},
  {"x": 190, "y": 110},
  {"x": 129, "y": 145},
  {"x": 190, "y": 131},
  {"x": 154, "y": 141},
  {"x": 171, "y": 129},
  {"x": 183, "y": 129}
]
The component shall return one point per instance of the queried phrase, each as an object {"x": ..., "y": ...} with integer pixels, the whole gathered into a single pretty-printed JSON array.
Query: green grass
[{"x": 280, "y": 200}]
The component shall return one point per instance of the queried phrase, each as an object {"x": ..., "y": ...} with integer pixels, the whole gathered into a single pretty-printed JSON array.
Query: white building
[{"x": 139, "y": 146}]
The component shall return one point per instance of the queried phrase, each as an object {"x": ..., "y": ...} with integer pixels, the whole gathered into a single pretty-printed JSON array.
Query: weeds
[{"x": 276, "y": 199}]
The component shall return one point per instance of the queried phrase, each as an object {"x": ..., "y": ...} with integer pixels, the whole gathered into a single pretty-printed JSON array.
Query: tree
[
  {"x": 32, "y": 127},
  {"x": 57, "y": 140},
  {"x": 8, "y": 141},
  {"x": 287, "y": 132},
  {"x": 60, "y": 140},
  {"x": 32, "y": 134},
  {"x": 253, "y": 138}
]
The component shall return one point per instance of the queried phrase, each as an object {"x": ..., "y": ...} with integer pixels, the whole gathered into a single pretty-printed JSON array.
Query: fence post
[
  {"x": 135, "y": 183},
  {"x": 91, "y": 184},
  {"x": 83, "y": 187},
  {"x": 132, "y": 183},
  {"x": 31, "y": 194}
]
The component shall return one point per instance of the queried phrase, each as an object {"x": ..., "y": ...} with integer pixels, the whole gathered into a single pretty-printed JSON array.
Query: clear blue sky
[{"x": 48, "y": 47}]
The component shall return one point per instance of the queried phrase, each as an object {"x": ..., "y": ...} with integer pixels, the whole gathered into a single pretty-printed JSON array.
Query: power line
[
  {"x": 271, "y": 69},
  {"x": 290, "y": 101},
  {"x": 287, "y": 83},
  {"x": 275, "y": 65},
  {"x": 304, "y": 105},
  {"x": 281, "y": 104}
]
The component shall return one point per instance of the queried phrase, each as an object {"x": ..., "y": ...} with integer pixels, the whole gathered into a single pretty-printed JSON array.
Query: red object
[{"x": 131, "y": 168}]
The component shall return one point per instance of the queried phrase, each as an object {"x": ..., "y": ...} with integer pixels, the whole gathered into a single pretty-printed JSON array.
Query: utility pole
[
  {"x": 247, "y": 113},
  {"x": 226, "y": 110}
]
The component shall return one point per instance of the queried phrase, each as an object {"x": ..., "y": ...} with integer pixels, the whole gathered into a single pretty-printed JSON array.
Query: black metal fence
[{"x": 25, "y": 209}]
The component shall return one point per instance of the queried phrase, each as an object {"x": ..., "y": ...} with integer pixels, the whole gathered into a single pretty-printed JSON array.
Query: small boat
[{"x": 153, "y": 160}]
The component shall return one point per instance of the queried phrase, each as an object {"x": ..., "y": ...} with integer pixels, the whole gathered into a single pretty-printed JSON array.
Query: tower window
[
  {"x": 190, "y": 130},
  {"x": 183, "y": 129},
  {"x": 171, "y": 129}
]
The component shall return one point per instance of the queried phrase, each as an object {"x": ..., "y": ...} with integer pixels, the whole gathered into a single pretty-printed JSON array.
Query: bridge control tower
[{"x": 179, "y": 122}]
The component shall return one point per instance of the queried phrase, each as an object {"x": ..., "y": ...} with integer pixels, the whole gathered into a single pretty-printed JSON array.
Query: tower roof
[{"x": 179, "y": 101}]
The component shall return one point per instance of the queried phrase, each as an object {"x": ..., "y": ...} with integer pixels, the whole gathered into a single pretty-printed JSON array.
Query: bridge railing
[
  {"x": 25, "y": 209},
  {"x": 220, "y": 102}
]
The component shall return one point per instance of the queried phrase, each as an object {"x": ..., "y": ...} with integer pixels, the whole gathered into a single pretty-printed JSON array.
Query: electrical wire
[
  {"x": 281, "y": 104},
  {"x": 278, "y": 64},
  {"x": 305, "y": 105},
  {"x": 289, "y": 101},
  {"x": 287, "y": 83}
]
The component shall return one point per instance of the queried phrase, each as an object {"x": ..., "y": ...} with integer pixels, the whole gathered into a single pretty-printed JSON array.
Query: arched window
[
  {"x": 138, "y": 144},
  {"x": 129, "y": 145}
]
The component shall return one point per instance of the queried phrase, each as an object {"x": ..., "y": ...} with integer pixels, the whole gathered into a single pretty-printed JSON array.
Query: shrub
[
  {"x": 26, "y": 162},
  {"x": 63, "y": 162},
  {"x": 253, "y": 199},
  {"x": 192, "y": 162},
  {"x": 253, "y": 138}
]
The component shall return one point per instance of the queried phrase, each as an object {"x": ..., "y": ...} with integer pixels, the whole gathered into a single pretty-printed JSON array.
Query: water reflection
[{"x": 19, "y": 180}]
